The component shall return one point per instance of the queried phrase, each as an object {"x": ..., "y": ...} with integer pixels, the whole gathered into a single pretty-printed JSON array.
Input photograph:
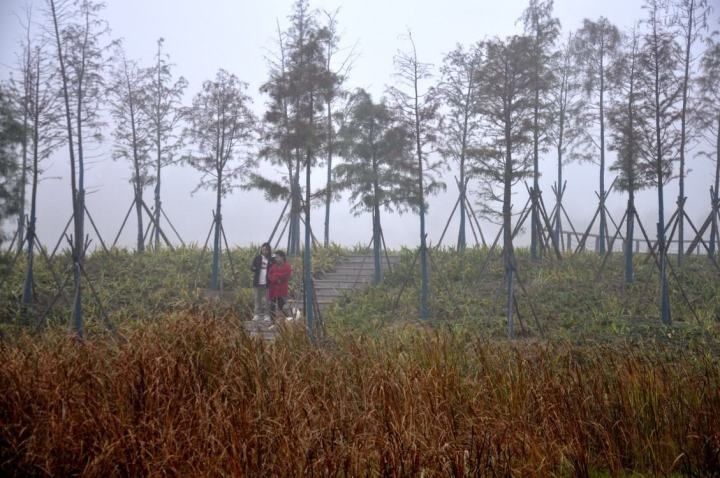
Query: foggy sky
[{"x": 237, "y": 35}]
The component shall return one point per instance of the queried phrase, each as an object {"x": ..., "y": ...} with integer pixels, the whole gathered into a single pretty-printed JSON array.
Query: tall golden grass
[{"x": 194, "y": 396}]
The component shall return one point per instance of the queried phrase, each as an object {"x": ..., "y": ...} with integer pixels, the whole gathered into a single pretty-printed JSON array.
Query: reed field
[{"x": 592, "y": 386}]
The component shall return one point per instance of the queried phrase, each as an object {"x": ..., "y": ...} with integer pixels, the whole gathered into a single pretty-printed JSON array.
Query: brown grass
[{"x": 194, "y": 396}]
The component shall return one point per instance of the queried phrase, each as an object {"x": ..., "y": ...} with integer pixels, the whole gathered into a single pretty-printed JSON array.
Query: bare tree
[
  {"x": 507, "y": 106},
  {"x": 82, "y": 57},
  {"x": 690, "y": 16},
  {"x": 460, "y": 141},
  {"x": 565, "y": 128},
  {"x": 164, "y": 111},
  {"x": 543, "y": 30},
  {"x": 417, "y": 108},
  {"x": 706, "y": 116},
  {"x": 596, "y": 47},
  {"x": 332, "y": 94},
  {"x": 132, "y": 131},
  {"x": 220, "y": 127}
]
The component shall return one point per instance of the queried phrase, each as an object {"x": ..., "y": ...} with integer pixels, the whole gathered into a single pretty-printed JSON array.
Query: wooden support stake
[
  {"x": 97, "y": 232},
  {"x": 122, "y": 226}
]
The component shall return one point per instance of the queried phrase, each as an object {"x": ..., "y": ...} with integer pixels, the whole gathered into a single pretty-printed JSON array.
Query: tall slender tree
[
  {"x": 132, "y": 140},
  {"x": 690, "y": 17},
  {"x": 378, "y": 167},
  {"x": 296, "y": 126},
  {"x": 565, "y": 128},
  {"x": 543, "y": 30},
  {"x": 82, "y": 54},
  {"x": 296, "y": 120},
  {"x": 21, "y": 96},
  {"x": 39, "y": 93},
  {"x": 706, "y": 116},
  {"x": 662, "y": 90},
  {"x": 596, "y": 47},
  {"x": 309, "y": 82},
  {"x": 417, "y": 107},
  {"x": 507, "y": 106},
  {"x": 460, "y": 141},
  {"x": 628, "y": 122},
  {"x": 277, "y": 144},
  {"x": 339, "y": 71},
  {"x": 163, "y": 108},
  {"x": 220, "y": 128}
]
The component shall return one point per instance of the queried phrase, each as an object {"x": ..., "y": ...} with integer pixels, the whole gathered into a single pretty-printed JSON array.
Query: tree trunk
[
  {"x": 79, "y": 254},
  {"x": 664, "y": 294},
  {"x": 158, "y": 204},
  {"x": 683, "y": 114},
  {"x": 295, "y": 211},
  {"x": 558, "y": 192},
  {"x": 714, "y": 205},
  {"x": 377, "y": 246},
  {"x": 158, "y": 166},
  {"x": 328, "y": 187},
  {"x": 603, "y": 220},
  {"x": 138, "y": 211},
  {"x": 77, "y": 304},
  {"x": 378, "y": 275},
  {"x": 137, "y": 183},
  {"x": 507, "y": 228},
  {"x": 27, "y": 297},
  {"x": 215, "y": 275},
  {"x": 462, "y": 241},
  {"x": 23, "y": 173},
  {"x": 629, "y": 232},
  {"x": 461, "y": 230},
  {"x": 535, "y": 216},
  {"x": 307, "y": 255},
  {"x": 424, "y": 310}
]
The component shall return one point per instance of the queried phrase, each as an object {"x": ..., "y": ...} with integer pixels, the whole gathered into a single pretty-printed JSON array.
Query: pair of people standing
[{"x": 271, "y": 275}]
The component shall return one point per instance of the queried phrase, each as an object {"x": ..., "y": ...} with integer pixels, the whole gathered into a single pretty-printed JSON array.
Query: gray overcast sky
[{"x": 237, "y": 35}]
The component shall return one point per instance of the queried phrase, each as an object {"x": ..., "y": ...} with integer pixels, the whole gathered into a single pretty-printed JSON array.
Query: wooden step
[
  {"x": 367, "y": 258},
  {"x": 351, "y": 273},
  {"x": 349, "y": 282},
  {"x": 331, "y": 293},
  {"x": 342, "y": 286}
]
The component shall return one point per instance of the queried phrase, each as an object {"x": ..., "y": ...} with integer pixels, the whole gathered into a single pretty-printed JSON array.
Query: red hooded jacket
[{"x": 278, "y": 279}]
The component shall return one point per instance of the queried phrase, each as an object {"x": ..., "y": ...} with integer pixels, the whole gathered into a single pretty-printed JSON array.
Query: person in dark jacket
[
  {"x": 260, "y": 267},
  {"x": 278, "y": 278}
]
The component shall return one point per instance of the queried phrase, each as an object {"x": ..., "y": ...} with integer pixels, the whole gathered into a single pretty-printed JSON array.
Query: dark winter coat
[{"x": 256, "y": 268}]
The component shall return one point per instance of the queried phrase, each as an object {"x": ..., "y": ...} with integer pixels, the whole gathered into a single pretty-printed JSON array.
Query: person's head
[
  {"x": 265, "y": 250},
  {"x": 280, "y": 257}
]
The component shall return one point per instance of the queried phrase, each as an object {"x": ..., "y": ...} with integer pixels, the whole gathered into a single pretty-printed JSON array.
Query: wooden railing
[{"x": 570, "y": 240}]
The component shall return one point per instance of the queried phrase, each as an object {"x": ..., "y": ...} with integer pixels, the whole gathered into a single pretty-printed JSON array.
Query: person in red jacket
[{"x": 278, "y": 279}]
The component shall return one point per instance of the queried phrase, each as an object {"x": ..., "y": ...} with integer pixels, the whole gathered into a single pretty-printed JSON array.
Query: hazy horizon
[{"x": 238, "y": 36}]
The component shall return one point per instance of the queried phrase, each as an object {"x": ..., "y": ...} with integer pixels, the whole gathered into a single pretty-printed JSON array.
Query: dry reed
[{"x": 194, "y": 396}]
